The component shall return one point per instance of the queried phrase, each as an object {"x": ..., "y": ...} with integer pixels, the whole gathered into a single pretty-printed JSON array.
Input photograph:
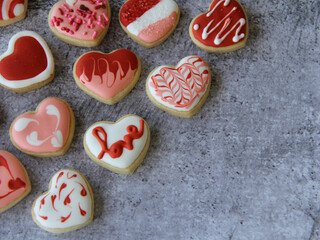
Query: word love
[{"x": 116, "y": 149}]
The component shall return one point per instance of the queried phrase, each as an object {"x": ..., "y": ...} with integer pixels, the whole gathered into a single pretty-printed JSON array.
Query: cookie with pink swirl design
[
  {"x": 67, "y": 205},
  {"x": 12, "y": 11},
  {"x": 180, "y": 90}
]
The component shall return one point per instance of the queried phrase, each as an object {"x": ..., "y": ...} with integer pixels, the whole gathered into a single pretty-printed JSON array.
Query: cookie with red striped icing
[
  {"x": 12, "y": 11},
  {"x": 223, "y": 28},
  {"x": 81, "y": 23},
  {"x": 149, "y": 22},
  {"x": 67, "y": 206}
]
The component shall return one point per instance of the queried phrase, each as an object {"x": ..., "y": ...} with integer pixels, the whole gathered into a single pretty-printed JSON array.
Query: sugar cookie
[{"x": 12, "y": 11}]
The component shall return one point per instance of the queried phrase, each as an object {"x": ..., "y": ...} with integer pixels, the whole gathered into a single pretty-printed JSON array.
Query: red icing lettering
[
  {"x": 28, "y": 56},
  {"x": 116, "y": 149}
]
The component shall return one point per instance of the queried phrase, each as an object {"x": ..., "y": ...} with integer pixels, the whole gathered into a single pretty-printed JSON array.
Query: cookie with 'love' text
[
  {"x": 81, "y": 23},
  {"x": 120, "y": 146},
  {"x": 224, "y": 28},
  {"x": 47, "y": 132},
  {"x": 180, "y": 90},
  {"x": 67, "y": 205}
]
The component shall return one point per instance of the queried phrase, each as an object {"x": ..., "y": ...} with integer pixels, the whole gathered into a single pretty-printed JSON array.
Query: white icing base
[
  {"x": 18, "y": 10},
  {"x": 54, "y": 216},
  {"x": 160, "y": 11},
  {"x": 153, "y": 90},
  {"x": 116, "y": 132},
  {"x": 37, "y": 79}
]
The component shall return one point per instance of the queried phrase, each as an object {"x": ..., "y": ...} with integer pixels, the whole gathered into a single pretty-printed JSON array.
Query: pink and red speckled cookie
[
  {"x": 149, "y": 22},
  {"x": 80, "y": 22}
]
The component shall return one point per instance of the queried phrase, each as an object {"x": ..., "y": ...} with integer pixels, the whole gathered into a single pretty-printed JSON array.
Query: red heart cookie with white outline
[
  {"x": 149, "y": 22},
  {"x": 12, "y": 11},
  {"x": 67, "y": 206},
  {"x": 120, "y": 146},
  {"x": 14, "y": 181},
  {"x": 107, "y": 77},
  {"x": 47, "y": 132},
  {"x": 180, "y": 90},
  {"x": 81, "y": 23},
  {"x": 28, "y": 52},
  {"x": 223, "y": 28}
]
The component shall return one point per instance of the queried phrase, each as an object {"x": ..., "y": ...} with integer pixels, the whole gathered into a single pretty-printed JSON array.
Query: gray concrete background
[{"x": 246, "y": 167}]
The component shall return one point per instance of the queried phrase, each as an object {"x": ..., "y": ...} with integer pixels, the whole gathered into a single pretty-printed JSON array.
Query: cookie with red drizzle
[
  {"x": 12, "y": 11},
  {"x": 223, "y": 28},
  {"x": 81, "y": 23},
  {"x": 119, "y": 147},
  {"x": 68, "y": 205}
]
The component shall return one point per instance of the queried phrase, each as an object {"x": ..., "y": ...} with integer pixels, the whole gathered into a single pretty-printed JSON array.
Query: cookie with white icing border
[
  {"x": 46, "y": 132},
  {"x": 67, "y": 206},
  {"x": 14, "y": 181},
  {"x": 12, "y": 11},
  {"x": 180, "y": 90},
  {"x": 224, "y": 28},
  {"x": 31, "y": 56},
  {"x": 149, "y": 22},
  {"x": 81, "y": 23},
  {"x": 120, "y": 146},
  {"x": 107, "y": 77}
]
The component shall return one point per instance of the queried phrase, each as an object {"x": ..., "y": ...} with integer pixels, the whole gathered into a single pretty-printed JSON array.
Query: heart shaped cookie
[
  {"x": 14, "y": 181},
  {"x": 107, "y": 77},
  {"x": 223, "y": 28},
  {"x": 119, "y": 147},
  {"x": 67, "y": 206},
  {"x": 12, "y": 11},
  {"x": 47, "y": 132},
  {"x": 149, "y": 22},
  {"x": 81, "y": 23},
  {"x": 181, "y": 90},
  {"x": 28, "y": 52}
]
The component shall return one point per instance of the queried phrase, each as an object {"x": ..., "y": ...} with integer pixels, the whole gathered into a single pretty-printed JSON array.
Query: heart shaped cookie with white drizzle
[
  {"x": 81, "y": 23},
  {"x": 180, "y": 90},
  {"x": 224, "y": 28},
  {"x": 47, "y": 132},
  {"x": 120, "y": 146},
  {"x": 67, "y": 206}
]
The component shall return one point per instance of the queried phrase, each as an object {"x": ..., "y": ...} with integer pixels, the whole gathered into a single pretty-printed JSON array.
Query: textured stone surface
[{"x": 245, "y": 167}]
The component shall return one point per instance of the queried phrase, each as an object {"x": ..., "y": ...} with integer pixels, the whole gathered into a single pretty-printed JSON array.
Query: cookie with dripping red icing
[
  {"x": 149, "y": 22},
  {"x": 180, "y": 90},
  {"x": 224, "y": 28},
  {"x": 14, "y": 181},
  {"x": 12, "y": 11},
  {"x": 29, "y": 53},
  {"x": 107, "y": 77},
  {"x": 120, "y": 146},
  {"x": 81, "y": 23},
  {"x": 67, "y": 205},
  {"x": 47, "y": 132}
]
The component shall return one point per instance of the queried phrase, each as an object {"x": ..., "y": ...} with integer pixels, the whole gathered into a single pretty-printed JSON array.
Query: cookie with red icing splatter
[
  {"x": 223, "y": 28},
  {"x": 29, "y": 53},
  {"x": 107, "y": 77},
  {"x": 14, "y": 181},
  {"x": 12, "y": 11},
  {"x": 120, "y": 146},
  {"x": 149, "y": 22},
  {"x": 180, "y": 90},
  {"x": 47, "y": 132},
  {"x": 67, "y": 205},
  {"x": 81, "y": 23}
]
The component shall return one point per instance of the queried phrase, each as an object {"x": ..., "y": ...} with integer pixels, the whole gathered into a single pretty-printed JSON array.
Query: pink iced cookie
[
  {"x": 149, "y": 22},
  {"x": 81, "y": 23},
  {"x": 47, "y": 132},
  {"x": 67, "y": 205},
  {"x": 14, "y": 181},
  {"x": 12, "y": 11}
]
